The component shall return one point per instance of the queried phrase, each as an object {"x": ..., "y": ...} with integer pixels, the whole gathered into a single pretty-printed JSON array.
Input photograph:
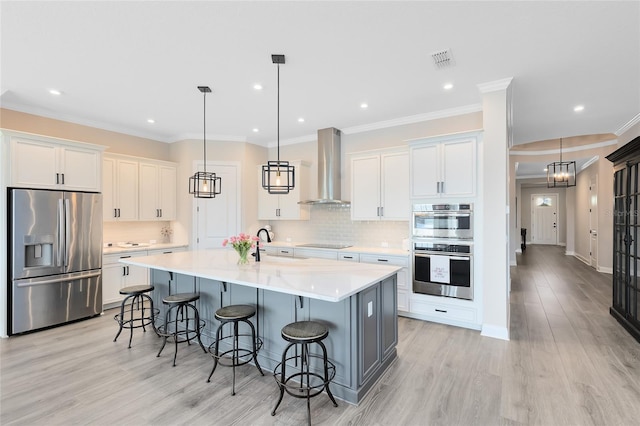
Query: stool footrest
[
  {"x": 164, "y": 332},
  {"x": 126, "y": 321},
  {"x": 299, "y": 389}
]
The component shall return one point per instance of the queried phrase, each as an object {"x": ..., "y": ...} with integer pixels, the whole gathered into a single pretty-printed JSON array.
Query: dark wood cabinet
[{"x": 625, "y": 305}]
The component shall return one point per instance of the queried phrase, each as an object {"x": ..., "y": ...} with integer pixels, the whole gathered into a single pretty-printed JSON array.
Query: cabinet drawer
[
  {"x": 320, "y": 254},
  {"x": 384, "y": 259},
  {"x": 284, "y": 252},
  {"x": 115, "y": 258},
  {"x": 443, "y": 311},
  {"x": 349, "y": 257}
]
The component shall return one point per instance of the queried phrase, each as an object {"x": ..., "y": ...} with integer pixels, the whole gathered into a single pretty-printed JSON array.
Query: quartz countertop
[
  {"x": 352, "y": 249},
  {"x": 322, "y": 279},
  {"x": 161, "y": 246}
]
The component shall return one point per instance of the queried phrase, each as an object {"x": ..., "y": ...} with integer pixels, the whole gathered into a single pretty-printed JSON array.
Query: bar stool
[
  {"x": 309, "y": 383},
  {"x": 140, "y": 317},
  {"x": 236, "y": 356},
  {"x": 185, "y": 325}
]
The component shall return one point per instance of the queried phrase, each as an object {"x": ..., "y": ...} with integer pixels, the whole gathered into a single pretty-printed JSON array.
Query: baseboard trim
[
  {"x": 604, "y": 270},
  {"x": 495, "y": 332}
]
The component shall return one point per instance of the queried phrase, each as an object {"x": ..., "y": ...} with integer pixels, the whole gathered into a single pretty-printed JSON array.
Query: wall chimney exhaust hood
[{"x": 328, "y": 168}]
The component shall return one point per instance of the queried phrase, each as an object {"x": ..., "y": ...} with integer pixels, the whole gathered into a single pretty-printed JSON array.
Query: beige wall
[{"x": 119, "y": 143}]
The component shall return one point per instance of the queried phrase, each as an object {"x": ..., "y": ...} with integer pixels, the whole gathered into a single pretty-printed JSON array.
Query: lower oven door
[{"x": 450, "y": 276}]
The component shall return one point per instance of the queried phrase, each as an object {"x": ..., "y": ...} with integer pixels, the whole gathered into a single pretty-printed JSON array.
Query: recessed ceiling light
[
  {"x": 151, "y": 121},
  {"x": 364, "y": 105},
  {"x": 301, "y": 120},
  {"x": 256, "y": 130},
  {"x": 257, "y": 86},
  {"x": 448, "y": 86},
  {"x": 578, "y": 108},
  {"x": 55, "y": 92}
]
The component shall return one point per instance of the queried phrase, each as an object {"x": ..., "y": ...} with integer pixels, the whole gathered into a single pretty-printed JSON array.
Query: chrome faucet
[{"x": 257, "y": 253}]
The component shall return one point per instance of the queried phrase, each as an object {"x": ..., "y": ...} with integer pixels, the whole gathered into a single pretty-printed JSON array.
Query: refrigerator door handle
[
  {"x": 28, "y": 282},
  {"x": 61, "y": 232},
  {"x": 67, "y": 230}
]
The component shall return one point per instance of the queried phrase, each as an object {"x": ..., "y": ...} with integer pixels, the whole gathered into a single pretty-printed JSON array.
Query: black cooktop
[{"x": 324, "y": 246}]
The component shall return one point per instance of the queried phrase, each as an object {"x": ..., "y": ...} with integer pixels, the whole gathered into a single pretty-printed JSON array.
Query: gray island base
[{"x": 357, "y": 302}]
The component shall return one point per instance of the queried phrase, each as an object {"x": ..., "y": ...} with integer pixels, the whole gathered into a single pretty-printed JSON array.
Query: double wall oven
[{"x": 443, "y": 250}]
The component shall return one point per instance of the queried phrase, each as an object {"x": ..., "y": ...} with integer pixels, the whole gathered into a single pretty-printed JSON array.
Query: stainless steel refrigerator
[{"x": 55, "y": 258}]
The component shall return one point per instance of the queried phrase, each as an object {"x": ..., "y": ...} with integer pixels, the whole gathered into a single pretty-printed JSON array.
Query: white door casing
[
  {"x": 218, "y": 218},
  {"x": 593, "y": 221},
  {"x": 544, "y": 218}
]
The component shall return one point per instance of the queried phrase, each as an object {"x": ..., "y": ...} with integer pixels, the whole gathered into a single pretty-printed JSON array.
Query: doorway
[
  {"x": 544, "y": 219},
  {"x": 218, "y": 218}
]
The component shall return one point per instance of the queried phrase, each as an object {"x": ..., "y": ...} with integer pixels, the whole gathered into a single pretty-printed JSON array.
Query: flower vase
[{"x": 242, "y": 260}]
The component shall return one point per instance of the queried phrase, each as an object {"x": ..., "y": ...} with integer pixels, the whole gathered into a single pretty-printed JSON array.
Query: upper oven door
[{"x": 443, "y": 224}]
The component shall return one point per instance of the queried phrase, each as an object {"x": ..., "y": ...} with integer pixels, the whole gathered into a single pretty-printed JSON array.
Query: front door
[
  {"x": 218, "y": 218},
  {"x": 544, "y": 217}
]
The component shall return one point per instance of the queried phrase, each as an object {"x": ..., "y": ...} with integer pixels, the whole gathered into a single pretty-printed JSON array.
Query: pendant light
[
  {"x": 205, "y": 184},
  {"x": 278, "y": 177},
  {"x": 561, "y": 174}
]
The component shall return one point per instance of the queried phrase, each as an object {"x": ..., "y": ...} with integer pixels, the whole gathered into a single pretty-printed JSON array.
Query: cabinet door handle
[
  {"x": 57, "y": 178},
  {"x": 347, "y": 257},
  {"x": 441, "y": 310},
  {"x": 383, "y": 260},
  {"x": 62, "y": 174},
  {"x": 115, "y": 212},
  {"x": 160, "y": 210},
  {"x": 124, "y": 271},
  {"x": 381, "y": 211},
  {"x": 442, "y": 187}
]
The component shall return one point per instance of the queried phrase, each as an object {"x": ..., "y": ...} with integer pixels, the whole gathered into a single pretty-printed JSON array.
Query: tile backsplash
[
  {"x": 333, "y": 224},
  {"x": 137, "y": 232}
]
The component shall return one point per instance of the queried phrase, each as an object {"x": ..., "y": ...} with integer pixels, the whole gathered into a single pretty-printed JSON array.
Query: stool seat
[
  {"x": 302, "y": 331},
  {"x": 235, "y": 312},
  {"x": 180, "y": 298},
  {"x": 136, "y": 289}
]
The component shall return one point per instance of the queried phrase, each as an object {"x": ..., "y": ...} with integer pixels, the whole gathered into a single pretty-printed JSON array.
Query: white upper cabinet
[
  {"x": 444, "y": 166},
  {"x": 40, "y": 162},
  {"x": 157, "y": 191},
  {"x": 138, "y": 189},
  {"x": 120, "y": 189},
  {"x": 285, "y": 206},
  {"x": 380, "y": 185}
]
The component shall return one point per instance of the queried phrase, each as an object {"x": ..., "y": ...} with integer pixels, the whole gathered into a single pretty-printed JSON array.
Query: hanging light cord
[
  {"x": 561, "y": 150},
  {"x": 278, "y": 117},
  {"x": 204, "y": 125}
]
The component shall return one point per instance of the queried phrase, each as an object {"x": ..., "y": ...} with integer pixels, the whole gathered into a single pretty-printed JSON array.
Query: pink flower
[{"x": 225, "y": 242}]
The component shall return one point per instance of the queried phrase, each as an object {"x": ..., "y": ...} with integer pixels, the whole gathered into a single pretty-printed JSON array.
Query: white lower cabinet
[
  {"x": 461, "y": 313},
  {"x": 403, "y": 275},
  {"x": 116, "y": 275}
]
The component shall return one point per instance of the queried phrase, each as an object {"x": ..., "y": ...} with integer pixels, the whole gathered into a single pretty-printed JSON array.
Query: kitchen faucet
[{"x": 257, "y": 253}]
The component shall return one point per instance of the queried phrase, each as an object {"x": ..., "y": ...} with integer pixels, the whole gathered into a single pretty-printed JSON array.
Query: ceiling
[{"x": 118, "y": 64}]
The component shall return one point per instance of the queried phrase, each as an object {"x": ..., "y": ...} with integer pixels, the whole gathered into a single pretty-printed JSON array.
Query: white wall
[{"x": 526, "y": 211}]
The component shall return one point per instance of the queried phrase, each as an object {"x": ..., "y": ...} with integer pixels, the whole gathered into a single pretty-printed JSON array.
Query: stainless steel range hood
[{"x": 328, "y": 168}]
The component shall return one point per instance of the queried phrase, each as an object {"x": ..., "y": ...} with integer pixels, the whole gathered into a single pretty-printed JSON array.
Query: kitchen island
[{"x": 356, "y": 301}]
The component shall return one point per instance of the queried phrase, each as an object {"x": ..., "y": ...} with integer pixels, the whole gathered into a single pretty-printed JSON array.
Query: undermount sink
[{"x": 129, "y": 245}]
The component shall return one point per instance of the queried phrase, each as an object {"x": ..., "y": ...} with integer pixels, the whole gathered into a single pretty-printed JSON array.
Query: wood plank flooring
[{"x": 568, "y": 362}]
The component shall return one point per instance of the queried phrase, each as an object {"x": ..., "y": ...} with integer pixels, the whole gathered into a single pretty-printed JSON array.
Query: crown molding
[
  {"x": 196, "y": 136},
  {"x": 629, "y": 124},
  {"x": 495, "y": 85},
  {"x": 571, "y": 149}
]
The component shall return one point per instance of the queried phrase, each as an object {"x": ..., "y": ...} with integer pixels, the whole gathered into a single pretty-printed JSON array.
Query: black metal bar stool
[
  {"x": 235, "y": 356},
  {"x": 306, "y": 383},
  {"x": 137, "y": 315},
  {"x": 185, "y": 325}
]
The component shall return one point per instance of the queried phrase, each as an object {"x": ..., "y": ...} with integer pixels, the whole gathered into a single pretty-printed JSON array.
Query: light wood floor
[{"x": 568, "y": 362}]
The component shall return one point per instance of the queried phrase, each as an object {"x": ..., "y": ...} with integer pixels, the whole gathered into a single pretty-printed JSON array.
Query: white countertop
[
  {"x": 352, "y": 249},
  {"x": 322, "y": 279},
  {"x": 162, "y": 246}
]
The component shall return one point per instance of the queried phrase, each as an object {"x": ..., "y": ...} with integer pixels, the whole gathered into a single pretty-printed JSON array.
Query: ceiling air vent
[{"x": 442, "y": 59}]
